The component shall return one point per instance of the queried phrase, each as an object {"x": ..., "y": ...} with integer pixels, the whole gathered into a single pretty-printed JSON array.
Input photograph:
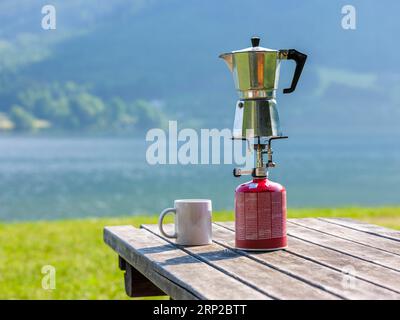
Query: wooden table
[{"x": 326, "y": 259}]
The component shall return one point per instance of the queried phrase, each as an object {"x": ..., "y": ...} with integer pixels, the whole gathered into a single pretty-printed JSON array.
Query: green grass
[{"x": 85, "y": 267}]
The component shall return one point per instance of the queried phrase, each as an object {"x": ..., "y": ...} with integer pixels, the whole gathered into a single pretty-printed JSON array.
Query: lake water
[{"x": 53, "y": 178}]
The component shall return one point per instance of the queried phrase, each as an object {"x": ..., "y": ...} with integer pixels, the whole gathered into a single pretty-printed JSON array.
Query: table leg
[{"x": 136, "y": 284}]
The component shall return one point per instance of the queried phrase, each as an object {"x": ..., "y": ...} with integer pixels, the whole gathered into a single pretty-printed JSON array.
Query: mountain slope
[{"x": 168, "y": 51}]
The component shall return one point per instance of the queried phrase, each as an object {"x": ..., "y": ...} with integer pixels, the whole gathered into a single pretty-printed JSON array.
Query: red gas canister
[{"x": 260, "y": 215}]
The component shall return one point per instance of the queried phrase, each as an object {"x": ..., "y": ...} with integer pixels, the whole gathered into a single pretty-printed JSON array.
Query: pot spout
[{"x": 228, "y": 57}]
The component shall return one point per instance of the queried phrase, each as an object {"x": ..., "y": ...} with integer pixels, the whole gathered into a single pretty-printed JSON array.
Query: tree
[
  {"x": 22, "y": 119},
  {"x": 89, "y": 109},
  {"x": 149, "y": 116},
  {"x": 71, "y": 106}
]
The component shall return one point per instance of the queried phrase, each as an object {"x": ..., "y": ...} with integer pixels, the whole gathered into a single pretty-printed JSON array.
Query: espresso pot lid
[{"x": 255, "y": 46}]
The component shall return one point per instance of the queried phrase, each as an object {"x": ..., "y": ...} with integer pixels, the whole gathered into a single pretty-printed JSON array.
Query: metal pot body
[
  {"x": 256, "y": 69},
  {"x": 260, "y": 215},
  {"x": 256, "y": 118},
  {"x": 255, "y": 73}
]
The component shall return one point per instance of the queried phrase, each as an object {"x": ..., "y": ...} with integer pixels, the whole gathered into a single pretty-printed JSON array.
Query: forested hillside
[{"x": 113, "y": 66}]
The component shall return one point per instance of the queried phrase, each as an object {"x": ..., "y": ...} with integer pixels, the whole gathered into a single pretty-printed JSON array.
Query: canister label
[{"x": 260, "y": 215}]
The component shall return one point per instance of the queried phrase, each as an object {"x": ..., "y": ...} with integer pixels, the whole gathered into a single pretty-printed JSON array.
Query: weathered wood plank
[
  {"x": 341, "y": 262},
  {"x": 349, "y": 234},
  {"x": 118, "y": 239},
  {"x": 375, "y": 230},
  {"x": 373, "y": 255},
  {"x": 267, "y": 280},
  {"x": 331, "y": 279},
  {"x": 175, "y": 272}
]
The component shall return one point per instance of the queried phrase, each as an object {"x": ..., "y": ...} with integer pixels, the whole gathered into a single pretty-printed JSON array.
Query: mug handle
[{"x": 160, "y": 222}]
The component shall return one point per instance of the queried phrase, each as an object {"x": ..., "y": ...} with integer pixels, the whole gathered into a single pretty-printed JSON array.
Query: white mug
[{"x": 192, "y": 222}]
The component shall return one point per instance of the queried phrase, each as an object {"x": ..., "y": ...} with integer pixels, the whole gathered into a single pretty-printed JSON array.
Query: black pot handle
[{"x": 300, "y": 59}]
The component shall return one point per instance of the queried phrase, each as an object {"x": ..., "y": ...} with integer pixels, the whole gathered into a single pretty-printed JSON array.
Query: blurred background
[{"x": 76, "y": 102}]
